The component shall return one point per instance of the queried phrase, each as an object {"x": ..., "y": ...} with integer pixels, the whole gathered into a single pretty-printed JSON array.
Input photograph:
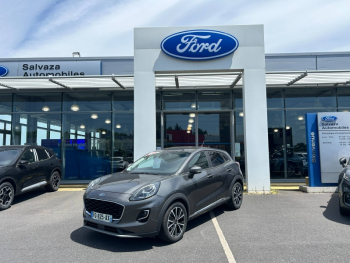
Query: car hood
[{"x": 126, "y": 183}]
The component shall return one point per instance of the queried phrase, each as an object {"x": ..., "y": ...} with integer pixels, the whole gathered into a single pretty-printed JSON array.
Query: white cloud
[{"x": 105, "y": 27}]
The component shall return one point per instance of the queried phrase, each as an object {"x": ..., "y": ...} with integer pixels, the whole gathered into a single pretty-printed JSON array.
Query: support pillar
[
  {"x": 144, "y": 113},
  {"x": 256, "y": 148}
]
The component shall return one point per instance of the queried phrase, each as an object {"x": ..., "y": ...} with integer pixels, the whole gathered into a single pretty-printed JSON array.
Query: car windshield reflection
[{"x": 162, "y": 163}]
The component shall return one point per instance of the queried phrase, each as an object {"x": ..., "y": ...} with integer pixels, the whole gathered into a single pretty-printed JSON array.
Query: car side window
[
  {"x": 50, "y": 153},
  {"x": 200, "y": 159},
  {"x": 216, "y": 158},
  {"x": 226, "y": 157},
  {"x": 28, "y": 156},
  {"x": 42, "y": 155}
]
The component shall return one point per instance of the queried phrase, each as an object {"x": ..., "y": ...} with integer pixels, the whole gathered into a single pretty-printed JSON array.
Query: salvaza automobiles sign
[{"x": 199, "y": 44}]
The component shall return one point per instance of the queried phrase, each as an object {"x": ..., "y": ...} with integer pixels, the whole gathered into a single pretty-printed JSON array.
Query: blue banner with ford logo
[
  {"x": 199, "y": 44},
  {"x": 329, "y": 118},
  {"x": 313, "y": 149}
]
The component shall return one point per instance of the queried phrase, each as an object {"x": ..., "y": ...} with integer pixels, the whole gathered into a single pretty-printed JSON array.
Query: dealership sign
[
  {"x": 3, "y": 71},
  {"x": 199, "y": 44}
]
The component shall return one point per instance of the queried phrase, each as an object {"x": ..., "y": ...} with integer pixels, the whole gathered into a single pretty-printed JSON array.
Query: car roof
[
  {"x": 22, "y": 147},
  {"x": 192, "y": 149}
]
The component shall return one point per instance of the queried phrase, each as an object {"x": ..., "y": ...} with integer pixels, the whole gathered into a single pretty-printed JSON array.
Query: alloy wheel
[
  {"x": 176, "y": 221},
  {"x": 5, "y": 196},
  {"x": 237, "y": 194},
  {"x": 55, "y": 180}
]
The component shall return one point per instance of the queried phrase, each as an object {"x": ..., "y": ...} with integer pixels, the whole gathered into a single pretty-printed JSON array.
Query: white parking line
[{"x": 223, "y": 241}]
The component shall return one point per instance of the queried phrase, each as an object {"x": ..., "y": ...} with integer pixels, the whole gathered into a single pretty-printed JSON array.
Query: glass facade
[
  {"x": 286, "y": 126},
  {"x": 93, "y": 132},
  {"x": 212, "y": 125}
]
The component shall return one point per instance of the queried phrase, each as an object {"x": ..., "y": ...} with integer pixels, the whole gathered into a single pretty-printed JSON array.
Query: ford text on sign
[{"x": 199, "y": 44}]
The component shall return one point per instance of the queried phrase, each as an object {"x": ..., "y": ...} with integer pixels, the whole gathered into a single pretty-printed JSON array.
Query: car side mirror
[
  {"x": 194, "y": 170},
  {"x": 342, "y": 161},
  {"x": 23, "y": 162}
]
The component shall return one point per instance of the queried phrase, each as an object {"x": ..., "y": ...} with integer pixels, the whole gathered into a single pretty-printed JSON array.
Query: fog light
[{"x": 143, "y": 216}]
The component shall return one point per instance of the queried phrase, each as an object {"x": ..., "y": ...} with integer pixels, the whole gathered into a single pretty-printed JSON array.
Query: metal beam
[
  {"x": 118, "y": 83},
  {"x": 6, "y": 86},
  {"x": 58, "y": 83},
  {"x": 177, "y": 82},
  {"x": 297, "y": 79},
  {"x": 236, "y": 81}
]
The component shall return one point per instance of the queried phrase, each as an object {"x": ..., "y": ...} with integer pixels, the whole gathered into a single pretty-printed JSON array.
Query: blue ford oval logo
[
  {"x": 199, "y": 44},
  {"x": 329, "y": 118},
  {"x": 3, "y": 71},
  {"x": 101, "y": 194}
]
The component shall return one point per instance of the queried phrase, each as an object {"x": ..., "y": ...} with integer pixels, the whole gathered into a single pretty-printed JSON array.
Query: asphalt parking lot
[{"x": 288, "y": 227}]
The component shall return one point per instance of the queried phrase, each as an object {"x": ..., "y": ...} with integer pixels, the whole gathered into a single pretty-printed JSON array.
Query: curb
[{"x": 315, "y": 190}]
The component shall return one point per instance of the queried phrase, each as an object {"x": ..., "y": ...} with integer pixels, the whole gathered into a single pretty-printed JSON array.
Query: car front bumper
[{"x": 127, "y": 225}]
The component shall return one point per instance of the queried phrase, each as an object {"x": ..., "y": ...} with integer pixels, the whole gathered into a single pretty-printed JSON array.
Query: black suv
[
  {"x": 344, "y": 187},
  {"x": 24, "y": 168}
]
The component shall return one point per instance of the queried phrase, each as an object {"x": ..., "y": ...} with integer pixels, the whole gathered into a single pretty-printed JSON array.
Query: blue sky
[{"x": 56, "y": 28}]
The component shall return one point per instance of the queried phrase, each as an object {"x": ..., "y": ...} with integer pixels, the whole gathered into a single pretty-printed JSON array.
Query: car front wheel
[
  {"x": 174, "y": 223},
  {"x": 7, "y": 194},
  {"x": 54, "y": 182},
  {"x": 236, "y": 199}
]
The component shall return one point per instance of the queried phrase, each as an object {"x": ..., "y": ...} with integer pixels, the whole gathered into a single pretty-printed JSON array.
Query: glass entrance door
[
  {"x": 214, "y": 130},
  {"x": 179, "y": 129},
  {"x": 208, "y": 129}
]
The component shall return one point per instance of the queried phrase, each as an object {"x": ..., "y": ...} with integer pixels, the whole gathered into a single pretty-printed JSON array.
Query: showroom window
[
  {"x": 5, "y": 102},
  {"x": 37, "y": 102},
  {"x": 310, "y": 98},
  {"x": 87, "y": 101}
]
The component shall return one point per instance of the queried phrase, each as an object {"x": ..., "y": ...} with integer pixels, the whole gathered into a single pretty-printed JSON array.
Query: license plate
[{"x": 101, "y": 217}]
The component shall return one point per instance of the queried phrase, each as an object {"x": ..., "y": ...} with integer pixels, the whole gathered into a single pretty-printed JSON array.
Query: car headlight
[
  {"x": 145, "y": 192},
  {"x": 347, "y": 176},
  {"x": 93, "y": 183}
]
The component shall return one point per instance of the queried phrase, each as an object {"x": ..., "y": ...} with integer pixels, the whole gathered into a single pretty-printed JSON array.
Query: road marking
[{"x": 222, "y": 238}]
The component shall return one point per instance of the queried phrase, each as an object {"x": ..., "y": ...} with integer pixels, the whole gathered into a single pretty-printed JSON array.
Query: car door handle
[
  {"x": 35, "y": 168},
  {"x": 229, "y": 169},
  {"x": 51, "y": 163},
  {"x": 210, "y": 175}
]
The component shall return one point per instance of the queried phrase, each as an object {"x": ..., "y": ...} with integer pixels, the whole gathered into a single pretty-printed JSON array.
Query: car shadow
[
  {"x": 96, "y": 240},
  {"x": 27, "y": 196},
  {"x": 332, "y": 211}
]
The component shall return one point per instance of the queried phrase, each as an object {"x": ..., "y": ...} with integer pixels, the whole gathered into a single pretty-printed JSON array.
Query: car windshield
[
  {"x": 8, "y": 156},
  {"x": 162, "y": 163}
]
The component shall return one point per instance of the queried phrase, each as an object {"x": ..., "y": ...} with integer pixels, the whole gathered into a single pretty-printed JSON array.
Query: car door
[
  {"x": 202, "y": 185},
  {"x": 27, "y": 174},
  {"x": 220, "y": 171},
  {"x": 45, "y": 165}
]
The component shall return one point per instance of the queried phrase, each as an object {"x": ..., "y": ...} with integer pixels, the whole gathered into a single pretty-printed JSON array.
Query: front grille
[
  {"x": 104, "y": 207},
  {"x": 94, "y": 225},
  {"x": 111, "y": 229}
]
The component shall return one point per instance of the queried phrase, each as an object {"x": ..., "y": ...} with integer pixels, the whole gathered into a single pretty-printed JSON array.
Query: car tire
[
  {"x": 7, "y": 194},
  {"x": 174, "y": 223},
  {"x": 55, "y": 182},
  {"x": 236, "y": 199},
  {"x": 343, "y": 211}
]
